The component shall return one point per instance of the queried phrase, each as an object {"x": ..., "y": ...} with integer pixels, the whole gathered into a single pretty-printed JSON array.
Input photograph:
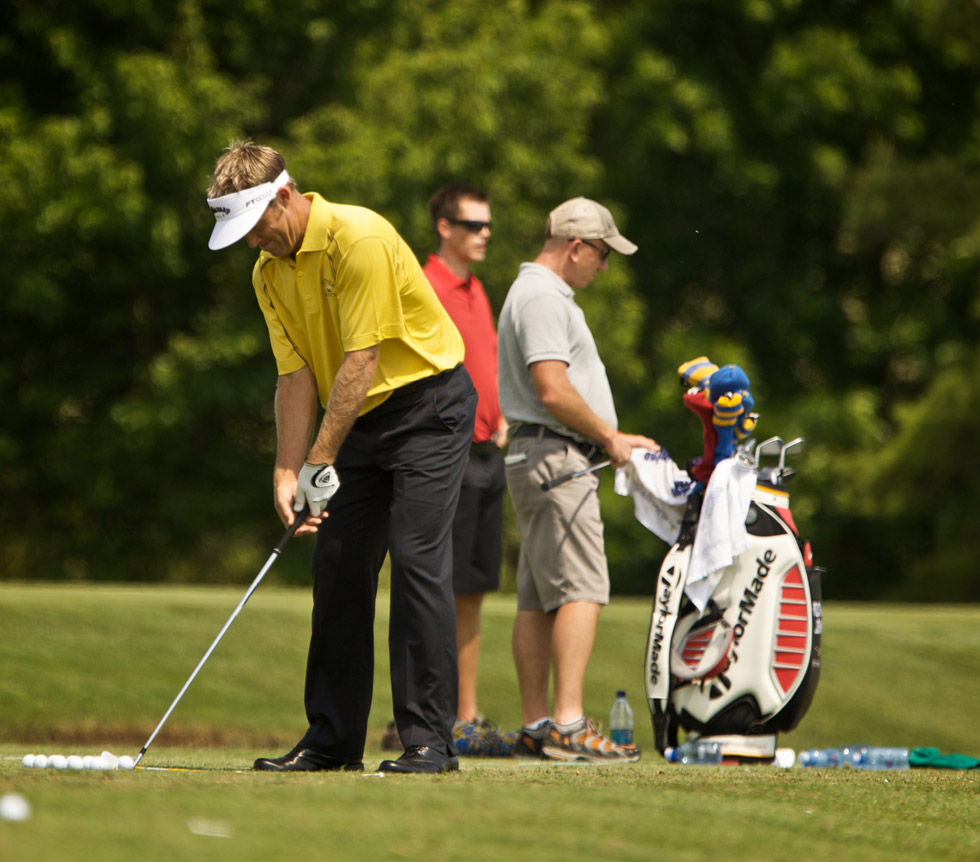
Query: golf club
[
  {"x": 772, "y": 446},
  {"x": 793, "y": 447},
  {"x": 554, "y": 483},
  {"x": 299, "y": 519}
]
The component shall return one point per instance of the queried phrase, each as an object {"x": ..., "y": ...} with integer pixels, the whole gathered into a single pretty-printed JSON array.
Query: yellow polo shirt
[{"x": 355, "y": 283}]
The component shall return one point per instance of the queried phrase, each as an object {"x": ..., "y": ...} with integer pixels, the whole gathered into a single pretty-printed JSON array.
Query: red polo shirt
[{"x": 468, "y": 306}]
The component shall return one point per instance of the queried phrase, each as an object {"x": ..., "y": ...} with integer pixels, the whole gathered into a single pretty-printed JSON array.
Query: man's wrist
[
  {"x": 282, "y": 473},
  {"x": 609, "y": 439},
  {"x": 320, "y": 453}
]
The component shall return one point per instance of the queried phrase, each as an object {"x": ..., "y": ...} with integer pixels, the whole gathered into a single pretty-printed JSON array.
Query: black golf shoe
[
  {"x": 306, "y": 760},
  {"x": 421, "y": 759}
]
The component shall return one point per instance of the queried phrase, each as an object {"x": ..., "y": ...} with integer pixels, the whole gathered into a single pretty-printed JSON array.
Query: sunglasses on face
[
  {"x": 603, "y": 252},
  {"x": 470, "y": 225}
]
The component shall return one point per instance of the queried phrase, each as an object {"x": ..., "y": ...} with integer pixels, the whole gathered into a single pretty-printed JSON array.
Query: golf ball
[
  {"x": 58, "y": 761},
  {"x": 74, "y": 762},
  {"x": 87, "y": 761},
  {"x": 99, "y": 763},
  {"x": 28, "y": 761},
  {"x": 41, "y": 761},
  {"x": 125, "y": 762},
  {"x": 13, "y": 806}
]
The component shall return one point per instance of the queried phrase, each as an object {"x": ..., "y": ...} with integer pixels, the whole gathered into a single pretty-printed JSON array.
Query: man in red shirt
[{"x": 461, "y": 219}]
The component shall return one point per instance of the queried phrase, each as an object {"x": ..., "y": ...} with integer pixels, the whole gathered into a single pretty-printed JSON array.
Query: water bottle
[
  {"x": 621, "y": 720},
  {"x": 852, "y": 753},
  {"x": 694, "y": 754},
  {"x": 881, "y": 758},
  {"x": 821, "y": 757}
]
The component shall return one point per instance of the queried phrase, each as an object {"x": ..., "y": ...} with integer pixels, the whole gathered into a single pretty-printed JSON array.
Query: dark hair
[{"x": 445, "y": 202}]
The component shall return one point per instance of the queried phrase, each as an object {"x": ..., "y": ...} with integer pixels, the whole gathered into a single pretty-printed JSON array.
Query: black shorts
[{"x": 478, "y": 524}]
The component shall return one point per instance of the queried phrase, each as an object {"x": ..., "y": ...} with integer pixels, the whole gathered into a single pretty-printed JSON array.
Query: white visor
[{"x": 237, "y": 213}]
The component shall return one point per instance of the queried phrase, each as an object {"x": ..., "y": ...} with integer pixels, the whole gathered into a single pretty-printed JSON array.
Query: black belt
[
  {"x": 484, "y": 447},
  {"x": 441, "y": 377},
  {"x": 589, "y": 450}
]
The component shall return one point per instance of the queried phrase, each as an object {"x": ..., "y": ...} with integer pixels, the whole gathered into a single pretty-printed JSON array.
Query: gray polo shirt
[{"x": 540, "y": 320}]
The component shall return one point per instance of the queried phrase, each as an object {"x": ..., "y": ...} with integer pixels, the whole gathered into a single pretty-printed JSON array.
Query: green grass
[{"x": 87, "y": 668}]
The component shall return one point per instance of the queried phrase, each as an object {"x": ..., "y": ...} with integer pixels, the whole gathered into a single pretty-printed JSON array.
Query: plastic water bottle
[
  {"x": 852, "y": 753},
  {"x": 821, "y": 757},
  {"x": 881, "y": 758},
  {"x": 621, "y": 720},
  {"x": 694, "y": 754}
]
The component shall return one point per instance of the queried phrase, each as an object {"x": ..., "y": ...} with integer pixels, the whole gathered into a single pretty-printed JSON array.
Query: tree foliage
[{"x": 802, "y": 180}]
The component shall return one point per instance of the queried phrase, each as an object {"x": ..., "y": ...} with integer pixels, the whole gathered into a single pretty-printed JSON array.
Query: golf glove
[{"x": 317, "y": 484}]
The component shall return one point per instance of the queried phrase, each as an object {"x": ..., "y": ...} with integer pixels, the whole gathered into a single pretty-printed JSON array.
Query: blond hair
[{"x": 244, "y": 165}]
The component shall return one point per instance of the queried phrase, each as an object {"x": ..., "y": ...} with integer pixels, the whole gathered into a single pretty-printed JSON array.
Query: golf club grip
[
  {"x": 561, "y": 480},
  {"x": 292, "y": 528},
  {"x": 554, "y": 483}
]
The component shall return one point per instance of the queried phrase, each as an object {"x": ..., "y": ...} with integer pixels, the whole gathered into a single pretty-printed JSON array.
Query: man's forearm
[
  {"x": 350, "y": 388},
  {"x": 577, "y": 415},
  {"x": 563, "y": 401},
  {"x": 296, "y": 409}
]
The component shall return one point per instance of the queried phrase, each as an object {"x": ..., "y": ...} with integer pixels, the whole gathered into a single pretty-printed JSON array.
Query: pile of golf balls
[{"x": 73, "y": 761}]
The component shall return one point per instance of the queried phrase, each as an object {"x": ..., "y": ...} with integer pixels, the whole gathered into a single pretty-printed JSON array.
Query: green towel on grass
[{"x": 932, "y": 758}]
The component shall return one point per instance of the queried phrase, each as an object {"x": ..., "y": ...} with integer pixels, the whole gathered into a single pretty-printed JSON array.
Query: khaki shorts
[{"x": 563, "y": 557}]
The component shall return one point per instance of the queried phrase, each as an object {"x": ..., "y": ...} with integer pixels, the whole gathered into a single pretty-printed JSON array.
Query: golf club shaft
[
  {"x": 300, "y": 518},
  {"x": 561, "y": 480}
]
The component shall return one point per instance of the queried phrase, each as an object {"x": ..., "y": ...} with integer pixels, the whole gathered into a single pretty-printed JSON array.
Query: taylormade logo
[
  {"x": 752, "y": 592},
  {"x": 663, "y": 614}
]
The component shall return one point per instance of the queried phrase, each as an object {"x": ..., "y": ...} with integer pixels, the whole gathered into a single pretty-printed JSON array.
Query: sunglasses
[
  {"x": 473, "y": 226},
  {"x": 603, "y": 252}
]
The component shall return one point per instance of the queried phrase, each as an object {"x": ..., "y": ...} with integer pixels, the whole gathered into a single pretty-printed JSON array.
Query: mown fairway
[{"x": 93, "y": 668}]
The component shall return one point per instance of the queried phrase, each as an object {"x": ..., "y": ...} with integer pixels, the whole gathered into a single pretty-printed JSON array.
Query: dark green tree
[{"x": 802, "y": 181}]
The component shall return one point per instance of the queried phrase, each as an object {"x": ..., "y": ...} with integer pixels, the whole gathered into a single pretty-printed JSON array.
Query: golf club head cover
[
  {"x": 696, "y": 372},
  {"x": 727, "y": 380},
  {"x": 726, "y": 411},
  {"x": 317, "y": 484},
  {"x": 721, "y": 399},
  {"x": 728, "y": 391},
  {"x": 696, "y": 400},
  {"x": 746, "y": 424}
]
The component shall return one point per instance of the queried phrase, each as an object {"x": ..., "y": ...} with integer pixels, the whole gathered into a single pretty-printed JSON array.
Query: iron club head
[
  {"x": 772, "y": 446},
  {"x": 795, "y": 445}
]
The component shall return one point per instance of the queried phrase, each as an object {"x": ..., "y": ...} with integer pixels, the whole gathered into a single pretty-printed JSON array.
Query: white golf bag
[{"x": 744, "y": 668}]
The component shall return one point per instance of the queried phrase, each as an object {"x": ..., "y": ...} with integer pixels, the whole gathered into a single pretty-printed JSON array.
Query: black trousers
[
  {"x": 478, "y": 524},
  {"x": 400, "y": 470}
]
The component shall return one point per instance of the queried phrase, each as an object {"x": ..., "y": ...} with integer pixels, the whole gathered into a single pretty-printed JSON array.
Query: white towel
[
  {"x": 659, "y": 489},
  {"x": 721, "y": 535}
]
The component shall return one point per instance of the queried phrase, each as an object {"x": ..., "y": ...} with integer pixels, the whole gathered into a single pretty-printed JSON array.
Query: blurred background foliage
[{"x": 803, "y": 181}]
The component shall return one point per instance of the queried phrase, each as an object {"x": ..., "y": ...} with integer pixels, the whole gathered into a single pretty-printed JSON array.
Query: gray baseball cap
[{"x": 585, "y": 219}]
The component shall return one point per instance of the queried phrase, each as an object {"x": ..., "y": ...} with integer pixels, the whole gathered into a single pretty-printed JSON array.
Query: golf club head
[
  {"x": 743, "y": 453},
  {"x": 795, "y": 445},
  {"x": 772, "y": 446}
]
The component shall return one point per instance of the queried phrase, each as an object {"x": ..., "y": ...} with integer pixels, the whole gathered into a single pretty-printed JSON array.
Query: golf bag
[
  {"x": 746, "y": 668},
  {"x": 734, "y": 657}
]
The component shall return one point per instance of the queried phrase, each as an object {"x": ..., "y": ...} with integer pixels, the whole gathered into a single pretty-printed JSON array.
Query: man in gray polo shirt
[{"x": 556, "y": 396}]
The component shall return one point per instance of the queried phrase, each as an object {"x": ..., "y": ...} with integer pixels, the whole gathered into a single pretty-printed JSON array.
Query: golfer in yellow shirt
[{"x": 355, "y": 327}]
